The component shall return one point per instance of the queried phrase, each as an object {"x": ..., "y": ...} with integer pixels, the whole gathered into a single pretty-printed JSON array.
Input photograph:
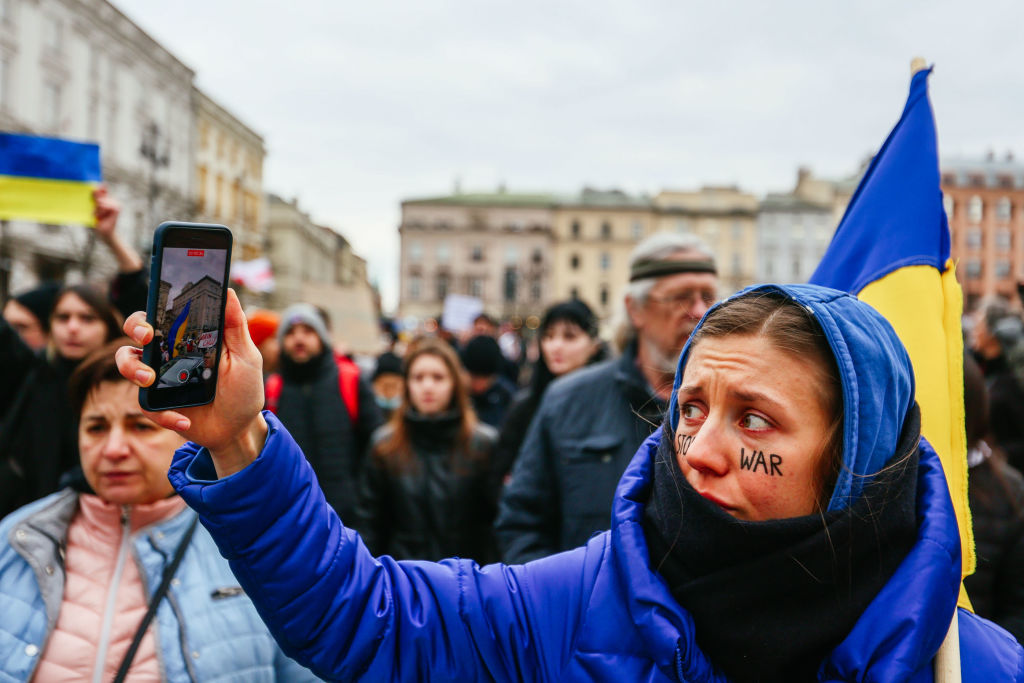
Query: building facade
[
  {"x": 82, "y": 70},
  {"x": 984, "y": 202},
  {"x": 204, "y": 311},
  {"x": 593, "y": 235},
  {"x": 229, "y": 176},
  {"x": 314, "y": 264},
  {"x": 725, "y": 218},
  {"x": 495, "y": 247}
]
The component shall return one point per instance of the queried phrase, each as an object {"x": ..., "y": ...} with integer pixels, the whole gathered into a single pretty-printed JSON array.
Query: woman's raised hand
[{"x": 231, "y": 427}]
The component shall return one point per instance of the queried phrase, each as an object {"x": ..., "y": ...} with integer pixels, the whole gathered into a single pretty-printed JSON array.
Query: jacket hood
[
  {"x": 875, "y": 372},
  {"x": 897, "y": 635}
]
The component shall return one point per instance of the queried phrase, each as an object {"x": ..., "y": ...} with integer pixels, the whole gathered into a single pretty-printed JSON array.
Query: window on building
[
  {"x": 476, "y": 287},
  {"x": 51, "y": 106},
  {"x": 415, "y": 284},
  {"x": 511, "y": 256},
  {"x": 574, "y": 230},
  {"x": 510, "y": 284},
  {"x": 737, "y": 231},
  {"x": 443, "y": 252},
  {"x": 1004, "y": 210},
  {"x": 1002, "y": 268},
  {"x": 974, "y": 236},
  {"x": 92, "y": 129},
  {"x": 415, "y": 251},
  {"x": 769, "y": 264},
  {"x": 606, "y": 260},
  {"x": 476, "y": 253},
  {"x": 110, "y": 143},
  {"x": 737, "y": 264},
  {"x": 574, "y": 293},
  {"x": 683, "y": 225},
  {"x": 537, "y": 257},
  {"x": 948, "y": 204},
  {"x": 201, "y": 182},
  {"x": 606, "y": 230},
  {"x": 54, "y": 34},
  {"x": 975, "y": 208},
  {"x": 603, "y": 295},
  {"x": 974, "y": 269},
  {"x": 797, "y": 269},
  {"x": 5, "y": 81},
  {"x": 1004, "y": 239},
  {"x": 443, "y": 283},
  {"x": 574, "y": 262},
  {"x": 711, "y": 231},
  {"x": 636, "y": 231},
  {"x": 535, "y": 289}
]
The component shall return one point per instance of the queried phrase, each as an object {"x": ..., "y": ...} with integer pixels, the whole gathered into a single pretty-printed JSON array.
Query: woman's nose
[
  {"x": 116, "y": 445},
  {"x": 707, "y": 450}
]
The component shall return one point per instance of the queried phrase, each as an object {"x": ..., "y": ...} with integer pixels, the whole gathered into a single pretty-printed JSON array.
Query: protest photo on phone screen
[{"x": 189, "y": 303}]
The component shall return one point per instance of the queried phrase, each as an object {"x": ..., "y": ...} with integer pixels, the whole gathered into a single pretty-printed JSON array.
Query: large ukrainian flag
[
  {"x": 891, "y": 249},
  {"x": 48, "y": 180}
]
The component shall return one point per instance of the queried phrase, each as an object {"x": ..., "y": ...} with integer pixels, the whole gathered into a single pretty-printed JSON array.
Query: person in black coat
[
  {"x": 996, "y": 495},
  {"x": 38, "y": 429},
  {"x": 427, "y": 490},
  {"x": 568, "y": 342},
  {"x": 332, "y": 432},
  {"x": 997, "y": 340}
]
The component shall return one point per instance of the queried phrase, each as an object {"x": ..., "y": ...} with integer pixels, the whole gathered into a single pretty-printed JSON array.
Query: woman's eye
[
  {"x": 691, "y": 411},
  {"x": 754, "y": 422}
]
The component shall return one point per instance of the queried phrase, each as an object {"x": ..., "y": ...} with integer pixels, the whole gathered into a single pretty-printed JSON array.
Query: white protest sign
[
  {"x": 459, "y": 312},
  {"x": 207, "y": 339}
]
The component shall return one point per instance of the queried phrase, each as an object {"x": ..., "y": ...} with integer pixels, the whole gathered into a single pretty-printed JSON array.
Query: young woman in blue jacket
[{"x": 786, "y": 523}]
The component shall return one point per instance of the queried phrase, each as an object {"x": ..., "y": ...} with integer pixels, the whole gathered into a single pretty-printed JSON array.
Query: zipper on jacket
[{"x": 115, "y": 581}]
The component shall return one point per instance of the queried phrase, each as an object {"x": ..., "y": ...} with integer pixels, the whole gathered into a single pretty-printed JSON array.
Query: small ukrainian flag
[{"x": 48, "y": 180}]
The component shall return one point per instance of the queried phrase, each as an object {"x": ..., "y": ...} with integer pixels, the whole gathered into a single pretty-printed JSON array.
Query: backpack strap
[
  {"x": 273, "y": 392},
  {"x": 348, "y": 385}
]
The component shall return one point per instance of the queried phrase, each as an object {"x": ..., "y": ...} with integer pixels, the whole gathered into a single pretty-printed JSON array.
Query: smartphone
[{"x": 188, "y": 285}]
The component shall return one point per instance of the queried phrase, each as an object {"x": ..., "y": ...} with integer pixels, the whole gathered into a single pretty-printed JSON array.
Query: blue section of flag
[
  {"x": 892, "y": 218},
  {"x": 49, "y": 158},
  {"x": 178, "y": 328}
]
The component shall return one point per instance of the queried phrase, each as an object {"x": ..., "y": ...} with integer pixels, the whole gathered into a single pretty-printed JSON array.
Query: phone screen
[
  {"x": 188, "y": 308},
  {"x": 187, "y": 288}
]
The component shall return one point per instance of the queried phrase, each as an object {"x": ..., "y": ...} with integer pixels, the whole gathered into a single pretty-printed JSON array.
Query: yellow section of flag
[
  {"x": 924, "y": 306},
  {"x": 59, "y": 202}
]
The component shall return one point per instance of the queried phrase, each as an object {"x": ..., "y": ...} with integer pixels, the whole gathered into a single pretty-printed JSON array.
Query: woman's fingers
[
  {"x": 137, "y": 328},
  {"x": 169, "y": 419},
  {"x": 130, "y": 365}
]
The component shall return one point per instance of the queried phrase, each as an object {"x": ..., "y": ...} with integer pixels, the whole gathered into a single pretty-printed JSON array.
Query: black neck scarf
[
  {"x": 307, "y": 371},
  {"x": 770, "y": 600}
]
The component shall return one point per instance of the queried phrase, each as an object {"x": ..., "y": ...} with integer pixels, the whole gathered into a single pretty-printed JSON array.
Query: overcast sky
[
  {"x": 365, "y": 104},
  {"x": 179, "y": 268}
]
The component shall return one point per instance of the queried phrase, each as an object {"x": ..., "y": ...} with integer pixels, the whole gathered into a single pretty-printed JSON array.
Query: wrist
[{"x": 238, "y": 453}]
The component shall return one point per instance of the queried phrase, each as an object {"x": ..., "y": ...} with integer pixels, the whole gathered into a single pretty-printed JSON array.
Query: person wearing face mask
[
  {"x": 561, "y": 488},
  {"x": 80, "y": 568},
  {"x": 38, "y": 441},
  {"x": 427, "y": 489},
  {"x": 568, "y": 342},
  {"x": 388, "y": 383},
  {"x": 785, "y": 522}
]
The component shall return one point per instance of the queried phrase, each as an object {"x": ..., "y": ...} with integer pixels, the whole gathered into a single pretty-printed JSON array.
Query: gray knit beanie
[{"x": 307, "y": 315}]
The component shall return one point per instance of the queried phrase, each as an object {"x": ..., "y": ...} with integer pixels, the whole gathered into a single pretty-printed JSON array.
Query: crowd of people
[{"x": 697, "y": 498}]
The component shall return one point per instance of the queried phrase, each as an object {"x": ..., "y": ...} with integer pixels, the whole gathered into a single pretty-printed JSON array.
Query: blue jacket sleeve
[{"x": 347, "y": 615}]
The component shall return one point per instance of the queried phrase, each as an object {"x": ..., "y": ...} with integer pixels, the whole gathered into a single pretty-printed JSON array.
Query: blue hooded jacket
[{"x": 595, "y": 613}]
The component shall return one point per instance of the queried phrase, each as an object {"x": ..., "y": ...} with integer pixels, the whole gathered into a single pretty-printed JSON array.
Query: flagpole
[{"x": 947, "y": 659}]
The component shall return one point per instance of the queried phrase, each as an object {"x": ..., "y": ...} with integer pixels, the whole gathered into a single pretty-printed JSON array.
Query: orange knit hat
[{"x": 262, "y": 325}]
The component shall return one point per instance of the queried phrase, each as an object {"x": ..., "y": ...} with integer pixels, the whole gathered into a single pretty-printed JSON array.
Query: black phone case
[{"x": 155, "y": 263}]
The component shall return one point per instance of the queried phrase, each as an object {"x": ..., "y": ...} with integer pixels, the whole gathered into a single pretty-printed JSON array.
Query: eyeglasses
[{"x": 686, "y": 299}]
